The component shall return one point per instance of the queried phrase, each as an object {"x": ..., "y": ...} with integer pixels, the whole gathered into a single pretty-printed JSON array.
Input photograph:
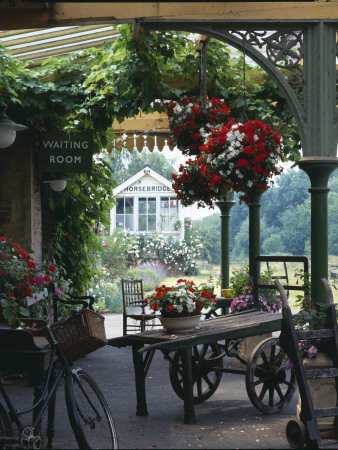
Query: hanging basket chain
[{"x": 244, "y": 117}]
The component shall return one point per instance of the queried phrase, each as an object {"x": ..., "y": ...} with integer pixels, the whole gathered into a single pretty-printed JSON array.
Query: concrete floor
[{"x": 226, "y": 420}]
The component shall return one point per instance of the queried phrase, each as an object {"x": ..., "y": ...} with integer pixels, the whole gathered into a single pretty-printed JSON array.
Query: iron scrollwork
[{"x": 284, "y": 49}]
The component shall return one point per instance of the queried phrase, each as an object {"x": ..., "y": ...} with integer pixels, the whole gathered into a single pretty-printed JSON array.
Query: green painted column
[
  {"x": 319, "y": 170},
  {"x": 254, "y": 227},
  {"x": 320, "y": 143},
  {"x": 225, "y": 208}
]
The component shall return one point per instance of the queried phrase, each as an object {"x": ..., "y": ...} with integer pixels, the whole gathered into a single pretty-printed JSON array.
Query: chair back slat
[{"x": 132, "y": 292}]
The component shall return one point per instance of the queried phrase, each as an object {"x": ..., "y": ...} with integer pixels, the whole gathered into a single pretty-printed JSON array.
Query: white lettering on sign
[
  {"x": 66, "y": 144},
  {"x": 147, "y": 189},
  {"x": 68, "y": 159}
]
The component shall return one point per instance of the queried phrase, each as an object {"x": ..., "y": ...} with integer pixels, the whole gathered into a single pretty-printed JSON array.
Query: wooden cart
[
  {"x": 307, "y": 430},
  {"x": 196, "y": 358}
]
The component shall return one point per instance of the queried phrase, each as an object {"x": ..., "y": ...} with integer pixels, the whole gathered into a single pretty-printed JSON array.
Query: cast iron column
[
  {"x": 254, "y": 227},
  {"x": 225, "y": 208},
  {"x": 319, "y": 171},
  {"x": 320, "y": 144}
]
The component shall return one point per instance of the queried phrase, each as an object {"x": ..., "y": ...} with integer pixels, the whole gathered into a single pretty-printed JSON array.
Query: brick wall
[{"x": 20, "y": 200}]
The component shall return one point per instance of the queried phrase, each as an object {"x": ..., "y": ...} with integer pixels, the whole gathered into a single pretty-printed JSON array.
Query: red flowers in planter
[
  {"x": 190, "y": 125},
  {"x": 239, "y": 157}
]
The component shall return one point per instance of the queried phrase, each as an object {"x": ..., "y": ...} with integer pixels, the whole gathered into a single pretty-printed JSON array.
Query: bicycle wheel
[
  {"x": 88, "y": 411},
  {"x": 5, "y": 425}
]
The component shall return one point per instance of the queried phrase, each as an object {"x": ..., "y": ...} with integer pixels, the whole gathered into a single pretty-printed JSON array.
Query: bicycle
[{"x": 88, "y": 412}]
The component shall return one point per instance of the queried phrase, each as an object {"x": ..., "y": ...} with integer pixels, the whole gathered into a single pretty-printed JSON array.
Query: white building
[{"x": 147, "y": 203}]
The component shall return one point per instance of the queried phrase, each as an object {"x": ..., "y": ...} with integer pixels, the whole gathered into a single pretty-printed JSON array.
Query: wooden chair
[{"x": 133, "y": 299}]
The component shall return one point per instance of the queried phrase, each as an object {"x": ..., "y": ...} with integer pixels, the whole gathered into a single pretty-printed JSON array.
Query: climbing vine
[{"x": 87, "y": 90}]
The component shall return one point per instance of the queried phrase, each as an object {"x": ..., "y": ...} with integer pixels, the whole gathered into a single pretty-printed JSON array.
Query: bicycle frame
[{"x": 45, "y": 398}]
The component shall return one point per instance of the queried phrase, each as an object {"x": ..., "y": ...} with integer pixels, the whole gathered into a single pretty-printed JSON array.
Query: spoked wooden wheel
[
  {"x": 207, "y": 359},
  {"x": 296, "y": 433},
  {"x": 269, "y": 384}
]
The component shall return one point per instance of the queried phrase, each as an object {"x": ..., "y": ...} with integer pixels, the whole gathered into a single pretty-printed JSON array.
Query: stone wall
[{"x": 20, "y": 200}]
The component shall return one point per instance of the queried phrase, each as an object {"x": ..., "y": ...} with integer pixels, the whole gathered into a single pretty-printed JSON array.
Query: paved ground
[{"x": 226, "y": 420}]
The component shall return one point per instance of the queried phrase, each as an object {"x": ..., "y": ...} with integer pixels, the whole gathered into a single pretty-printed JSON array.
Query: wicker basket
[{"x": 80, "y": 333}]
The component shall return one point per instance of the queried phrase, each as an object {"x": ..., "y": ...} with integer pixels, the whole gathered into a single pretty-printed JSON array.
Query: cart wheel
[
  {"x": 231, "y": 346},
  {"x": 296, "y": 433},
  {"x": 207, "y": 362},
  {"x": 269, "y": 384}
]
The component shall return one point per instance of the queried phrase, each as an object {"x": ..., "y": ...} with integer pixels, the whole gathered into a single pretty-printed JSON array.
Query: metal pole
[
  {"x": 254, "y": 227},
  {"x": 225, "y": 208},
  {"x": 319, "y": 170}
]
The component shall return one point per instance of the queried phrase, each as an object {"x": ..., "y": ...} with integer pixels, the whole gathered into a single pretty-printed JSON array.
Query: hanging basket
[
  {"x": 190, "y": 124},
  {"x": 241, "y": 157},
  {"x": 80, "y": 334}
]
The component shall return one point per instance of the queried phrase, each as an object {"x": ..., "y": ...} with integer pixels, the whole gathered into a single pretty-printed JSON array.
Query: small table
[{"x": 232, "y": 326}]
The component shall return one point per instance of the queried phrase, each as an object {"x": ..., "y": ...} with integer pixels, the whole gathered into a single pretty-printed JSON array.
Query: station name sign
[
  {"x": 60, "y": 152},
  {"x": 147, "y": 189}
]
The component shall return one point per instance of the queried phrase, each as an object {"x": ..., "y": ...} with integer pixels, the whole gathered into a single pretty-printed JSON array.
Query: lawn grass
[{"x": 214, "y": 271}]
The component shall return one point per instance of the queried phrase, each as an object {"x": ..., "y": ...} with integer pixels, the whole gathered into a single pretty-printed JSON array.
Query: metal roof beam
[
  {"x": 49, "y": 34},
  {"x": 33, "y": 46},
  {"x": 64, "y": 51}
]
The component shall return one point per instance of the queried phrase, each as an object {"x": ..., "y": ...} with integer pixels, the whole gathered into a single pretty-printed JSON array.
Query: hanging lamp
[{"x": 8, "y": 128}]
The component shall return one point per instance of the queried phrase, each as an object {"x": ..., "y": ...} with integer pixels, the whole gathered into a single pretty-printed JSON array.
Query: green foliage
[
  {"x": 210, "y": 231},
  {"x": 114, "y": 254},
  {"x": 273, "y": 245},
  {"x": 149, "y": 277},
  {"x": 311, "y": 314},
  {"x": 242, "y": 283},
  {"x": 108, "y": 296},
  {"x": 85, "y": 202},
  {"x": 285, "y": 221},
  {"x": 178, "y": 256},
  {"x": 131, "y": 163},
  {"x": 87, "y": 90}
]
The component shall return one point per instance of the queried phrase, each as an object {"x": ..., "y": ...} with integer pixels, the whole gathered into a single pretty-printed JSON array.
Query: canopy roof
[{"x": 38, "y": 44}]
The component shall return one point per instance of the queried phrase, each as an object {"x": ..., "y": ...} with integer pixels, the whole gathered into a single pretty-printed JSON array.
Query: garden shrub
[
  {"x": 150, "y": 278},
  {"x": 109, "y": 293}
]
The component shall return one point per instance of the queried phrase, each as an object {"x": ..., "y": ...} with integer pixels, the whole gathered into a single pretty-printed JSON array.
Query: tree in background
[
  {"x": 131, "y": 163},
  {"x": 285, "y": 221}
]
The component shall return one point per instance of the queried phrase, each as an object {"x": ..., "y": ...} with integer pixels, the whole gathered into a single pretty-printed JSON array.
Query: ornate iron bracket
[{"x": 284, "y": 49}]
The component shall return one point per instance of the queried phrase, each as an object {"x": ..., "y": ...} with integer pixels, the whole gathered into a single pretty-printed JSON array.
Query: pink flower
[
  {"x": 288, "y": 365},
  {"x": 312, "y": 351},
  {"x": 58, "y": 292},
  {"x": 38, "y": 280}
]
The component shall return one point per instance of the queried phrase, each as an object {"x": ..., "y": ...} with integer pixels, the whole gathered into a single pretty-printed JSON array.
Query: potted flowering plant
[
  {"x": 190, "y": 125},
  {"x": 241, "y": 157},
  {"x": 21, "y": 281},
  {"x": 182, "y": 299},
  {"x": 241, "y": 286},
  {"x": 243, "y": 300}
]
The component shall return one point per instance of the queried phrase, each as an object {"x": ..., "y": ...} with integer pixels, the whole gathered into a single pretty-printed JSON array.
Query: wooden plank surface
[{"x": 249, "y": 323}]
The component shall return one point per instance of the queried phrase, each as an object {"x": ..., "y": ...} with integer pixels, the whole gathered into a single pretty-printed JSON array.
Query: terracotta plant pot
[{"x": 180, "y": 324}]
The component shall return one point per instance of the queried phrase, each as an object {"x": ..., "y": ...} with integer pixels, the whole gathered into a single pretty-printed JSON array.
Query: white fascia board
[{"x": 138, "y": 176}]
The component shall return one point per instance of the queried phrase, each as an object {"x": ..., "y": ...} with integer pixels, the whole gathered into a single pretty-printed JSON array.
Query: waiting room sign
[{"x": 70, "y": 153}]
